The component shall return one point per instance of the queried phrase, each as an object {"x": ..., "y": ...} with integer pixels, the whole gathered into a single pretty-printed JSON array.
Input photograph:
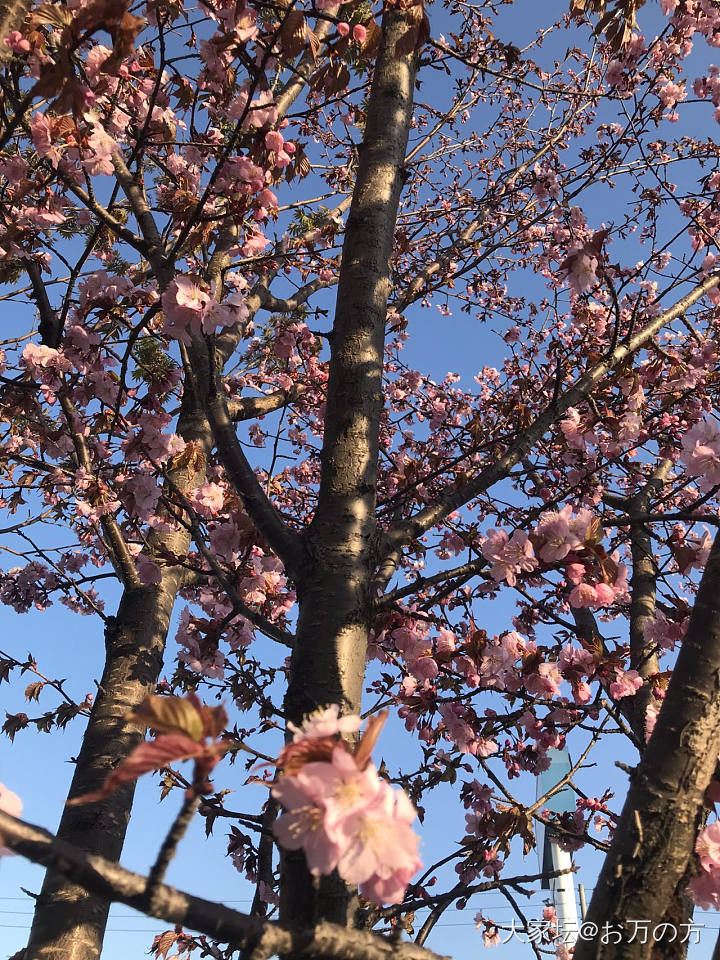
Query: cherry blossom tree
[{"x": 229, "y": 224}]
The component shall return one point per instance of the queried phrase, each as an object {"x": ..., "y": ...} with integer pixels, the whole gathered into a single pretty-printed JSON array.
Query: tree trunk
[
  {"x": 654, "y": 839},
  {"x": 335, "y": 593},
  {"x": 69, "y": 923}
]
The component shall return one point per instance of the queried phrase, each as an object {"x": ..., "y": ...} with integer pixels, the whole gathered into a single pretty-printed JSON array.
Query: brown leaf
[
  {"x": 123, "y": 35},
  {"x": 371, "y": 44},
  {"x": 313, "y": 42},
  {"x": 163, "y": 942},
  {"x": 684, "y": 556},
  {"x": 617, "y": 23},
  {"x": 13, "y": 723},
  {"x": 191, "y": 457},
  {"x": 292, "y": 33},
  {"x": 171, "y": 715},
  {"x": 32, "y": 691},
  {"x": 51, "y": 14},
  {"x": 101, "y": 13},
  {"x": 369, "y": 739},
  {"x": 333, "y": 77},
  {"x": 168, "y": 782},
  {"x": 595, "y": 533},
  {"x": 152, "y": 755},
  {"x": 418, "y": 31},
  {"x": 215, "y": 720}
]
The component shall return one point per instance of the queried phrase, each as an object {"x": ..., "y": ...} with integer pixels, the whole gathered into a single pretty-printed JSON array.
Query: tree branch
[
  {"x": 248, "y": 408},
  {"x": 111, "y": 881},
  {"x": 286, "y": 544},
  {"x": 131, "y": 187},
  {"x": 405, "y": 531}
]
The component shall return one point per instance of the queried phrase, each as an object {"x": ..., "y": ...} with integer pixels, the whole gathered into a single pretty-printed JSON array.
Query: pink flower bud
[
  {"x": 17, "y": 42},
  {"x": 274, "y": 141},
  {"x": 359, "y": 33},
  {"x": 343, "y": 29}
]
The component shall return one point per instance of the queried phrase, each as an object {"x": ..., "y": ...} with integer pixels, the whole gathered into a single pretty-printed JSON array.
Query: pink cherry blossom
[
  {"x": 705, "y": 888},
  {"x": 701, "y": 453},
  {"x": 625, "y": 684},
  {"x": 584, "y": 595},
  {"x": 102, "y": 146},
  {"x": 44, "y": 139},
  {"x": 582, "y": 271},
  {"x": 302, "y": 827},
  {"x": 325, "y": 722},
  {"x": 17, "y": 42},
  {"x": 143, "y": 494},
  {"x": 508, "y": 555},
  {"x": 341, "y": 815},
  {"x": 708, "y": 846},
  {"x": 274, "y": 141},
  {"x": 545, "y": 682},
  {"x": 561, "y": 532},
  {"x": 381, "y": 869}
]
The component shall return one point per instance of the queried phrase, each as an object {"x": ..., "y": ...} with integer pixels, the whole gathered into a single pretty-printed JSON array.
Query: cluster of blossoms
[
  {"x": 504, "y": 663},
  {"x": 341, "y": 813},
  {"x": 188, "y": 309},
  {"x": 507, "y": 664},
  {"x": 701, "y": 453},
  {"x": 262, "y": 584},
  {"x": 572, "y": 538}
]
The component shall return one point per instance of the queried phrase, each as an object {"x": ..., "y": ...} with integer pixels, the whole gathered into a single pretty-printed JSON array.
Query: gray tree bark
[
  {"x": 69, "y": 922},
  {"x": 651, "y": 851},
  {"x": 335, "y": 589}
]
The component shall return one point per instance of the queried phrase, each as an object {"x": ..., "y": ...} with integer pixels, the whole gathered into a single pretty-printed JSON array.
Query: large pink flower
[
  {"x": 379, "y": 848},
  {"x": 342, "y": 814},
  {"x": 302, "y": 827}
]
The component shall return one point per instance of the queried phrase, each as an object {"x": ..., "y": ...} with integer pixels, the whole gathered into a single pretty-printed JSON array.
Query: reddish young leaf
[{"x": 146, "y": 757}]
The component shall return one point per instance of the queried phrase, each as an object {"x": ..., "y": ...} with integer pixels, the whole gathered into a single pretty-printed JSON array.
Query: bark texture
[
  {"x": 335, "y": 586},
  {"x": 654, "y": 839},
  {"x": 69, "y": 922}
]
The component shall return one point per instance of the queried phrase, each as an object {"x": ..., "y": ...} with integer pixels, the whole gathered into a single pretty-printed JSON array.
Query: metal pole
[{"x": 583, "y": 903}]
